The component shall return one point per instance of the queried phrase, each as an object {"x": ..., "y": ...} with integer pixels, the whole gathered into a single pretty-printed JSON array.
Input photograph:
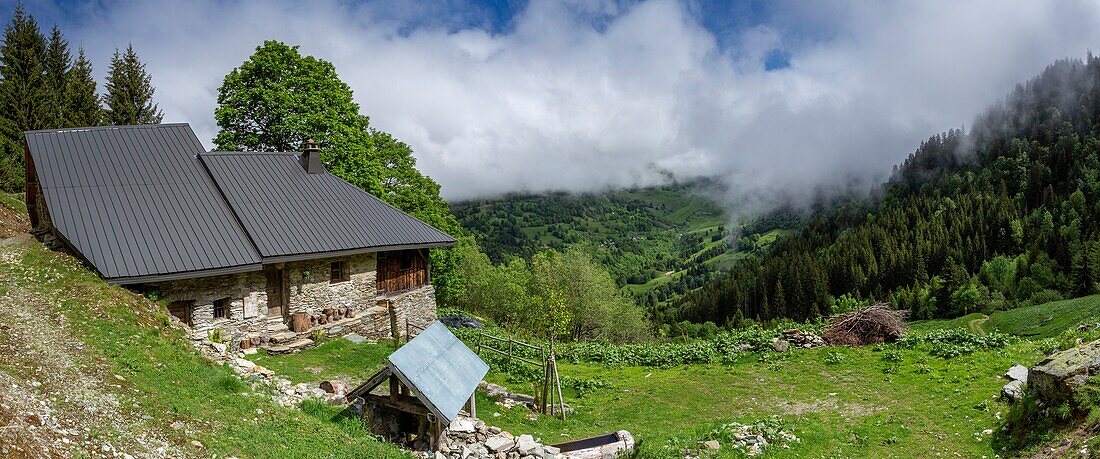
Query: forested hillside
[
  {"x": 657, "y": 243},
  {"x": 1003, "y": 215}
]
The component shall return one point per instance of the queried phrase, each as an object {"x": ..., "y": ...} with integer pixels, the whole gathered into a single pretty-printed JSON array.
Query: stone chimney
[{"x": 311, "y": 158}]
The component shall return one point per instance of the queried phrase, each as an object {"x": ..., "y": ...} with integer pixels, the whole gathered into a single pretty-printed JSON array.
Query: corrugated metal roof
[
  {"x": 289, "y": 212},
  {"x": 135, "y": 201},
  {"x": 440, "y": 369}
]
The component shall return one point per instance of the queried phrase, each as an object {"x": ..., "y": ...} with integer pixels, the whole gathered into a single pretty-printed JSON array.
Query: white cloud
[{"x": 556, "y": 103}]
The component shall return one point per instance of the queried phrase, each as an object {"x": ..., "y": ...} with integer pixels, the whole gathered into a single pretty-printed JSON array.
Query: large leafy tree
[
  {"x": 81, "y": 105},
  {"x": 278, "y": 98},
  {"x": 129, "y": 97}
]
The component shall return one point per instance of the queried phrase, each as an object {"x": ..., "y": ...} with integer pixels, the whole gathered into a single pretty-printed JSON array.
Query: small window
[
  {"x": 406, "y": 262},
  {"x": 221, "y": 308},
  {"x": 338, "y": 272}
]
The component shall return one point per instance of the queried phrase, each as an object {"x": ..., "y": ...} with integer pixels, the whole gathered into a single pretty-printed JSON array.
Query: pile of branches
[{"x": 877, "y": 323}]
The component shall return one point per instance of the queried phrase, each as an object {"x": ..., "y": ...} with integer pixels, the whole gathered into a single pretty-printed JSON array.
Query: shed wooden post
[{"x": 471, "y": 405}]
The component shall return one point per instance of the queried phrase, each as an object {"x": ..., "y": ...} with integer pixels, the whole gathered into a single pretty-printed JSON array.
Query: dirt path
[{"x": 976, "y": 325}]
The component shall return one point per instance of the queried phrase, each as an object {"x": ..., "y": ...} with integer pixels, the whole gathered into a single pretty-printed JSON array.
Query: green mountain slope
[
  {"x": 657, "y": 242},
  {"x": 1007, "y": 214}
]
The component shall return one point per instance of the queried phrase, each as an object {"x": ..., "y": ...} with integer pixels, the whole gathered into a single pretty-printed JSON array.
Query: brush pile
[{"x": 877, "y": 323}]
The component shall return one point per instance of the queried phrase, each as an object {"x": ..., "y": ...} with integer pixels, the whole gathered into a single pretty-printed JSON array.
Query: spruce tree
[
  {"x": 81, "y": 102},
  {"x": 23, "y": 71},
  {"x": 129, "y": 97},
  {"x": 57, "y": 64},
  {"x": 22, "y": 88}
]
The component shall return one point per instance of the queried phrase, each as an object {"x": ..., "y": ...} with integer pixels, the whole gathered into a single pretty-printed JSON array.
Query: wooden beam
[
  {"x": 408, "y": 404},
  {"x": 371, "y": 383}
]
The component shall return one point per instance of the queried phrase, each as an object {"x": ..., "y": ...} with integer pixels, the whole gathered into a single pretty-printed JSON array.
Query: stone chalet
[{"x": 262, "y": 247}]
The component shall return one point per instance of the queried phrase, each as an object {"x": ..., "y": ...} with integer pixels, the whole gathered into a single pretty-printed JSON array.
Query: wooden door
[
  {"x": 182, "y": 310},
  {"x": 278, "y": 291}
]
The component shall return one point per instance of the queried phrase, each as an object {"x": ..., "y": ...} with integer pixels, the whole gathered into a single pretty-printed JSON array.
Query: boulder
[
  {"x": 1013, "y": 391},
  {"x": 1060, "y": 375},
  {"x": 781, "y": 345},
  {"x": 1017, "y": 373},
  {"x": 527, "y": 445}
]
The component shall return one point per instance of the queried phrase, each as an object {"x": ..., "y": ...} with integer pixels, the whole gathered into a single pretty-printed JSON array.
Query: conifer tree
[
  {"x": 57, "y": 64},
  {"x": 82, "y": 106},
  {"x": 23, "y": 71},
  {"x": 22, "y": 88},
  {"x": 129, "y": 97}
]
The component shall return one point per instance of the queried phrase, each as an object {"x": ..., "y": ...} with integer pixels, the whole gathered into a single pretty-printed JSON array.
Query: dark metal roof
[
  {"x": 135, "y": 201},
  {"x": 440, "y": 369},
  {"x": 146, "y": 203},
  {"x": 291, "y": 213}
]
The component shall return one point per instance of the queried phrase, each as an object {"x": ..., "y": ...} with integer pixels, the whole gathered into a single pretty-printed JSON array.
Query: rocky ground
[
  {"x": 13, "y": 222},
  {"x": 56, "y": 400}
]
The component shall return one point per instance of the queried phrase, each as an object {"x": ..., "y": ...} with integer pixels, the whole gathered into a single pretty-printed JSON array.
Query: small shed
[{"x": 431, "y": 378}]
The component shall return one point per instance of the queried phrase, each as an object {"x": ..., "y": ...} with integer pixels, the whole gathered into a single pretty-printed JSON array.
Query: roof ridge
[{"x": 103, "y": 128}]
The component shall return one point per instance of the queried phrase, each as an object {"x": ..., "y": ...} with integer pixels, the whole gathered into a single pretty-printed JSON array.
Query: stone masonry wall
[
  {"x": 247, "y": 301},
  {"x": 310, "y": 292},
  {"x": 417, "y": 305}
]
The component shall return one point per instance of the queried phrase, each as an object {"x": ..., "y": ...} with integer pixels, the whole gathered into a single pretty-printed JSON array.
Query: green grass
[
  {"x": 1048, "y": 319},
  {"x": 168, "y": 381},
  {"x": 842, "y": 402},
  {"x": 334, "y": 359},
  {"x": 14, "y": 200},
  {"x": 850, "y": 409}
]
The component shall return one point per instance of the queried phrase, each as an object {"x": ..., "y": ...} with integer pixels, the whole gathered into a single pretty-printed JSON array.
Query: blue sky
[{"x": 779, "y": 98}]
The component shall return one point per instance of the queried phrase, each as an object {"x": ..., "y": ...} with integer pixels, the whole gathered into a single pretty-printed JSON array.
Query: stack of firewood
[{"x": 330, "y": 315}]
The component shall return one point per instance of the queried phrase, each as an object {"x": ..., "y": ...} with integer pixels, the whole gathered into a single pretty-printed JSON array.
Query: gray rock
[
  {"x": 781, "y": 345},
  {"x": 1059, "y": 376},
  {"x": 499, "y": 443},
  {"x": 527, "y": 445},
  {"x": 712, "y": 445},
  {"x": 355, "y": 338},
  {"x": 1013, "y": 391},
  {"x": 335, "y": 331},
  {"x": 1017, "y": 373},
  {"x": 462, "y": 426}
]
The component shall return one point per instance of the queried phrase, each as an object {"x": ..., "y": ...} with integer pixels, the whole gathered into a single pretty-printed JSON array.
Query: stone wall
[
  {"x": 247, "y": 302},
  {"x": 416, "y": 305},
  {"x": 310, "y": 292}
]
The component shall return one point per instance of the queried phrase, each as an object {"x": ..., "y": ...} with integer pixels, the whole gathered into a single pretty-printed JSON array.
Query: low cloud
[{"x": 587, "y": 95}]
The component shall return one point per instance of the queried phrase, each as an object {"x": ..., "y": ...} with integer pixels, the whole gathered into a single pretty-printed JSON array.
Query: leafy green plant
[{"x": 216, "y": 335}]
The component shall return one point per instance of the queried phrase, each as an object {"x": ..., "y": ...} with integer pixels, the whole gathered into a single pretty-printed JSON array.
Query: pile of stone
[
  {"x": 798, "y": 339},
  {"x": 1017, "y": 381},
  {"x": 748, "y": 439},
  {"x": 508, "y": 400},
  {"x": 264, "y": 381},
  {"x": 470, "y": 438}
]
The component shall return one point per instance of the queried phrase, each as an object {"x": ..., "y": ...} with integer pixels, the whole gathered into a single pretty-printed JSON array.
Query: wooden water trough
[
  {"x": 611, "y": 446},
  {"x": 431, "y": 378}
]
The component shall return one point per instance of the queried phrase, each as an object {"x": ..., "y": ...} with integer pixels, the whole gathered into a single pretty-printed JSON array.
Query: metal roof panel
[{"x": 440, "y": 368}]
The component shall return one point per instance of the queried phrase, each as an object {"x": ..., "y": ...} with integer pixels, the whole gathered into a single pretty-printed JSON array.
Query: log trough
[{"x": 610, "y": 446}]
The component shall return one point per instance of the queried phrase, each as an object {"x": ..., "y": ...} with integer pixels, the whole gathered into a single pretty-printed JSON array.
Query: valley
[{"x": 657, "y": 243}]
